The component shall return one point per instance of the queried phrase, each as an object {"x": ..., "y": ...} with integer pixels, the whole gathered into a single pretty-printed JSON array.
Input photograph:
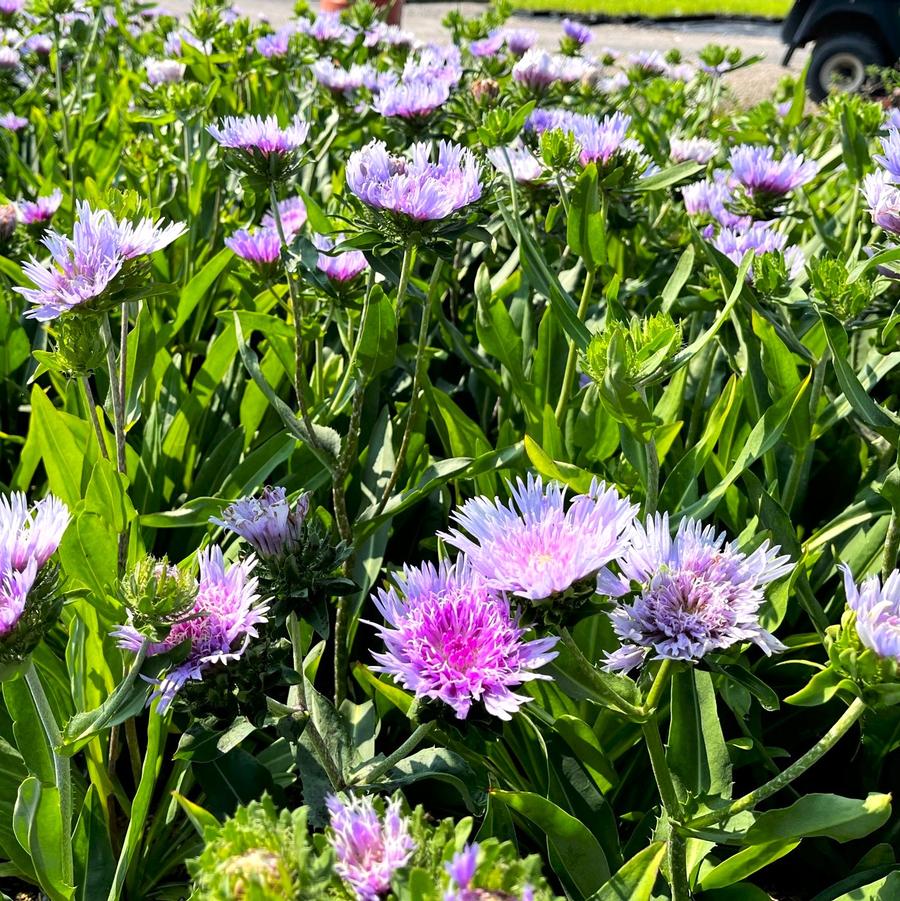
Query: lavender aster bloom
[
  {"x": 269, "y": 523},
  {"x": 760, "y": 173},
  {"x": 260, "y": 135},
  {"x": 40, "y": 210},
  {"x": 489, "y": 46},
  {"x": 579, "y": 33},
  {"x": 9, "y": 58},
  {"x": 520, "y": 40},
  {"x": 278, "y": 44},
  {"x": 649, "y": 61},
  {"x": 390, "y": 35},
  {"x": 83, "y": 267},
  {"x": 40, "y": 44},
  {"x": 526, "y": 168},
  {"x": 761, "y": 239},
  {"x": 417, "y": 187},
  {"x": 327, "y": 27},
  {"x": 538, "y": 69},
  {"x": 534, "y": 547},
  {"x": 600, "y": 143},
  {"x": 340, "y": 267},
  {"x": 435, "y": 63},
  {"x": 612, "y": 84},
  {"x": 222, "y": 622},
  {"x": 369, "y": 848},
  {"x": 877, "y": 609},
  {"x": 712, "y": 197},
  {"x": 261, "y": 247},
  {"x": 11, "y": 7},
  {"x": 29, "y": 536},
  {"x": 697, "y": 594},
  {"x": 450, "y": 637},
  {"x": 164, "y": 71},
  {"x": 292, "y": 212},
  {"x": 412, "y": 99},
  {"x": 700, "y": 150},
  {"x": 12, "y": 122},
  {"x": 889, "y": 158},
  {"x": 883, "y": 198},
  {"x": 337, "y": 79}
]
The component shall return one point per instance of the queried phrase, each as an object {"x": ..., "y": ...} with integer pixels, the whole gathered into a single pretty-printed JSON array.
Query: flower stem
[
  {"x": 572, "y": 358},
  {"x": 651, "y": 500},
  {"x": 61, "y": 766},
  {"x": 651, "y": 702},
  {"x": 406, "y": 266},
  {"x": 676, "y": 845},
  {"x": 785, "y": 777},
  {"x": 414, "y": 397},
  {"x": 300, "y": 380},
  {"x": 57, "y": 72},
  {"x": 92, "y": 411},
  {"x": 603, "y": 691},
  {"x": 419, "y": 734},
  {"x": 117, "y": 393},
  {"x": 891, "y": 545}
]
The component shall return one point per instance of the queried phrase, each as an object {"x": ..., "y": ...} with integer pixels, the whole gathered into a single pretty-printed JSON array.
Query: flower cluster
[
  {"x": 218, "y": 627},
  {"x": 87, "y": 269}
]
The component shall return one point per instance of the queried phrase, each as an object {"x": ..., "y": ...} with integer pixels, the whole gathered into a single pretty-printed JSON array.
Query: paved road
[{"x": 750, "y": 85}]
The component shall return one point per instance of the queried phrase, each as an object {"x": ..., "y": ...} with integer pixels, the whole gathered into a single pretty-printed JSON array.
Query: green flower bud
[
  {"x": 648, "y": 344},
  {"x": 79, "y": 344},
  {"x": 157, "y": 596}
]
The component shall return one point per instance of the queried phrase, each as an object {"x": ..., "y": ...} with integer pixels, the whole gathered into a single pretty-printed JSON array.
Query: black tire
[{"x": 844, "y": 56}]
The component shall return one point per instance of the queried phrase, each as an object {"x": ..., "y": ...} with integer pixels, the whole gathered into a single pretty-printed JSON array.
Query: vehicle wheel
[{"x": 839, "y": 64}]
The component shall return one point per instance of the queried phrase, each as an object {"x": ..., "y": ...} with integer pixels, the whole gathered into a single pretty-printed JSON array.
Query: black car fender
[{"x": 824, "y": 18}]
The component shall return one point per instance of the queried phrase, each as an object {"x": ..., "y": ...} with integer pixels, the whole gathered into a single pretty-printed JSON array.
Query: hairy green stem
[
  {"x": 676, "y": 845},
  {"x": 661, "y": 680},
  {"x": 572, "y": 358},
  {"x": 419, "y": 734},
  {"x": 891, "y": 545},
  {"x": 603, "y": 691},
  {"x": 116, "y": 375},
  {"x": 786, "y": 776},
  {"x": 61, "y": 767}
]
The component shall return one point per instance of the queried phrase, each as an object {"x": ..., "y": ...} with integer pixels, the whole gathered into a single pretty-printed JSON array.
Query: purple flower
[
  {"x": 12, "y": 122},
  {"x": 255, "y": 134},
  {"x": 533, "y": 546},
  {"x": 883, "y": 198},
  {"x": 369, "y": 848},
  {"x": 680, "y": 72},
  {"x": 82, "y": 267},
  {"x": 390, "y": 35},
  {"x": 278, "y": 44},
  {"x": 489, "y": 46},
  {"x": 700, "y": 150},
  {"x": 649, "y": 61},
  {"x": 697, "y": 594},
  {"x": 221, "y": 623},
  {"x": 415, "y": 187},
  {"x": 889, "y": 158},
  {"x": 877, "y": 609},
  {"x": 40, "y": 210},
  {"x": 164, "y": 71},
  {"x": 412, "y": 99},
  {"x": 341, "y": 267},
  {"x": 712, "y": 197},
  {"x": 327, "y": 27},
  {"x": 526, "y": 168},
  {"x": 339, "y": 80},
  {"x": 462, "y": 867},
  {"x": 435, "y": 63},
  {"x": 613, "y": 83},
  {"x": 9, "y": 58},
  {"x": 261, "y": 247},
  {"x": 605, "y": 139},
  {"x": 579, "y": 33},
  {"x": 175, "y": 39},
  {"x": 451, "y": 638},
  {"x": 760, "y": 173},
  {"x": 40, "y": 44},
  {"x": 11, "y": 7},
  {"x": 520, "y": 40},
  {"x": 30, "y": 534},
  {"x": 761, "y": 239},
  {"x": 538, "y": 69},
  {"x": 28, "y": 538},
  {"x": 270, "y": 524},
  {"x": 292, "y": 212}
]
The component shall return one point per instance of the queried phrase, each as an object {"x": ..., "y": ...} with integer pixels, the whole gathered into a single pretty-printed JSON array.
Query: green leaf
[
  {"x": 886, "y": 889},
  {"x": 666, "y": 177},
  {"x": 95, "y": 863},
  {"x": 584, "y": 864},
  {"x": 37, "y": 821},
  {"x": 586, "y": 223},
  {"x": 821, "y": 688},
  {"x": 842, "y": 819},
  {"x": 194, "y": 291},
  {"x": 678, "y": 279},
  {"x": 30, "y": 736},
  {"x": 746, "y": 862},
  {"x": 697, "y": 753},
  {"x": 583, "y": 741},
  {"x": 635, "y": 879},
  {"x": 201, "y": 819},
  {"x": 377, "y": 349}
]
